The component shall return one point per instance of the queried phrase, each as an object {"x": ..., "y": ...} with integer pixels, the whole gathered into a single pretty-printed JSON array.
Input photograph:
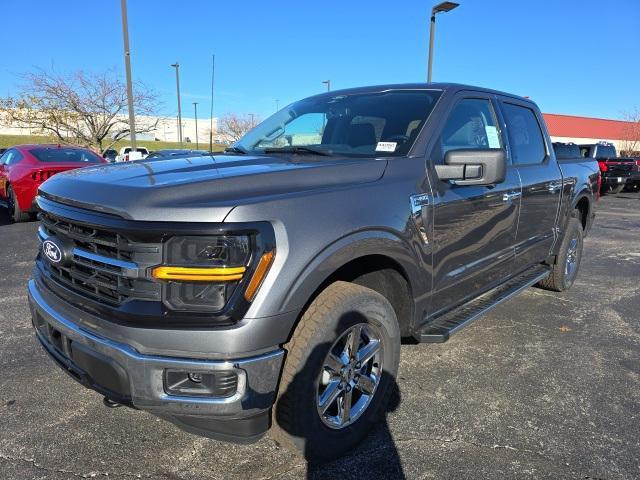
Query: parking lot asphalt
[{"x": 545, "y": 386}]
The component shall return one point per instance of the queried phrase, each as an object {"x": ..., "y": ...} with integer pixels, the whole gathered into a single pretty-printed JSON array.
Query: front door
[
  {"x": 541, "y": 183},
  {"x": 474, "y": 227}
]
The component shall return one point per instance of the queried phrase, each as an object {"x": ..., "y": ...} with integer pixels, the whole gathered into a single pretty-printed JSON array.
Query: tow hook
[{"x": 110, "y": 403}]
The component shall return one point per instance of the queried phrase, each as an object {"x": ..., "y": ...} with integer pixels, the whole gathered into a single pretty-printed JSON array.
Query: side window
[
  {"x": 471, "y": 125},
  {"x": 5, "y": 157},
  {"x": 15, "y": 158},
  {"x": 525, "y": 136}
]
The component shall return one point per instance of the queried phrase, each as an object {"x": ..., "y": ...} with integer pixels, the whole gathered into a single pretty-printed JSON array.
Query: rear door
[
  {"x": 474, "y": 227},
  {"x": 541, "y": 182}
]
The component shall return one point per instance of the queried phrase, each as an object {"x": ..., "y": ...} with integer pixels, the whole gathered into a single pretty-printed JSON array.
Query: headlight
[{"x": 202, "y": 272}]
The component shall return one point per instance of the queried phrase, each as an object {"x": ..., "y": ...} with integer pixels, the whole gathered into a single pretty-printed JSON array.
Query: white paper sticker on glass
[
  {"x": 386, "y": 147},
  {"x": 492, "y": 136}
]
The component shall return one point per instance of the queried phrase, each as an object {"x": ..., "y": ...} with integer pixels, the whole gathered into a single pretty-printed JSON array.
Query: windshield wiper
[
  {"x": 239, "y": 150},
  {"x": 298, "y": 149}
]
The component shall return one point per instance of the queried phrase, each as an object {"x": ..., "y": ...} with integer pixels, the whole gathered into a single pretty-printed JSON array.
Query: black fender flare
[{"x": 351, "y": 247}]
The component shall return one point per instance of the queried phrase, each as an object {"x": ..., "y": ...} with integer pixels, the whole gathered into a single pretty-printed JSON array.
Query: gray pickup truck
[{"x": 269, "y": 287}]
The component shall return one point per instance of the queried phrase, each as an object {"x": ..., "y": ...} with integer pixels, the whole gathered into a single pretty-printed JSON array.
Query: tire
[
  {"x": 15, "y": 213},
  {"x": 336, "y": 314},
  {"x": 612, "y": 189},
  {"x": 562, "y": 275},
  {"x": 632, "y": 187}
]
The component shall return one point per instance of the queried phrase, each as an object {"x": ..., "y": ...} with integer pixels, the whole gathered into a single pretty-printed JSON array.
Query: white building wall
[
  {"x": 166, "y": 130},
  {"x": 579, "y": 141}
]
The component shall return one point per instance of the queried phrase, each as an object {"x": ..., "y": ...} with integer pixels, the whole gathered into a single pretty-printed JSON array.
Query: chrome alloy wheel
[
  {"x": 571, "y": 265},
  {"x": 350, "y": 375}
]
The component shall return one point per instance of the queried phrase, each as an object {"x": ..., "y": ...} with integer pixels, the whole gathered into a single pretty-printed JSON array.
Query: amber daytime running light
[{"x": 202, "y": 272}]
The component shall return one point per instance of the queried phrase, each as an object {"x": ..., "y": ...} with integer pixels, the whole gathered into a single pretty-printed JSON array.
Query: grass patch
[{"x": 11, "y": 140}]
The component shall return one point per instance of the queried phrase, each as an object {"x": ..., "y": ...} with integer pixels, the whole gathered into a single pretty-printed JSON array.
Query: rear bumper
[
  {"x": 613, "y": 180},
  {"x": 120, "y": 372}
]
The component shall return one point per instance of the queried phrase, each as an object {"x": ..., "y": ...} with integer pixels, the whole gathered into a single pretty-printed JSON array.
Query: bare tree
[
  {"x": 631, "y": 144},
  {"x": 87, "y": 109},
  {"x": 233, "y": 126}
]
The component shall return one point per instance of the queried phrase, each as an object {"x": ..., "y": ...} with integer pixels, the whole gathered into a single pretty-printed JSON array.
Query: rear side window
[
  {"x": 65, "y": 155},
  {"x": 471, "y": 125},
  {"x": 563, "y": 151},
  {"x": 525, "y": 136}
]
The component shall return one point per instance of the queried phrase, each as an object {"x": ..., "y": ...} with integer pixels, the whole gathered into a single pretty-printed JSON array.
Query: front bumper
[{"x": 120, "y": 372}]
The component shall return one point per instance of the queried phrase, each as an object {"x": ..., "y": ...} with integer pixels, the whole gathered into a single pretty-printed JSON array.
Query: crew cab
[
  {"x": 617, "y": 172},
  {"x": 23, "y": 168},
  {"x": 268, "y": 287}
]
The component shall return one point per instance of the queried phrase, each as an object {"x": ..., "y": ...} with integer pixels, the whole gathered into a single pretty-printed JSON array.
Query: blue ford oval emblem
[{"x": 52, "y": 251}]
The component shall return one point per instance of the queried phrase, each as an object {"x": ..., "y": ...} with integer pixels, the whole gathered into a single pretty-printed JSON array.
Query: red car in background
[{"x": 24, "y": 168}]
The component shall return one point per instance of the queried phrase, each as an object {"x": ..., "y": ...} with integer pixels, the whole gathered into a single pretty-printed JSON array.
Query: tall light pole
[
  {"x": 277, "y": 104},
  {"x": 127, "y": 66},
  {"x": 328, "y": 84},
  {"x": 213, "y": 71},
  {"x": 177, "y": 67},
  {"x": 253, "y": 121},
  {"x": 441, "y": 7},
  {"x": 195, "y": 112}
]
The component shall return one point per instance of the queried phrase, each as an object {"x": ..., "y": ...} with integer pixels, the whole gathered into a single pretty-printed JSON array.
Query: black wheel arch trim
[{"x": 351, "y": 247}]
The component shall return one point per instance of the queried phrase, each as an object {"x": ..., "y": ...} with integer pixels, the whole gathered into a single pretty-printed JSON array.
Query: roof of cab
[{"x": 449, "y": 87}]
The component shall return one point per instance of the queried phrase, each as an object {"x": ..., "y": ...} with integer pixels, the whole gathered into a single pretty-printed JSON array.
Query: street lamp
[
  {"x": 177, "y": 67},
  {"x": 277, "y": 104},
  {"x": 195, "y": 111},
  {"x": 127, "y": 65},
  {"x": 328, "y": 84},
  {"x": 253, "y": 121},
  {"x": 441, "y": 7}
]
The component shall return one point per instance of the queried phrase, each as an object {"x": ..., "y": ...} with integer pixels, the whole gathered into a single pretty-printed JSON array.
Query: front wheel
[
  {"x": 339, "y": 372},
  {"x": 565, "y": 270}
]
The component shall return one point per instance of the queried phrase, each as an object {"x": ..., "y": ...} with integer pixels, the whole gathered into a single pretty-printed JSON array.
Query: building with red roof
[{"x": 580, "y": 130}]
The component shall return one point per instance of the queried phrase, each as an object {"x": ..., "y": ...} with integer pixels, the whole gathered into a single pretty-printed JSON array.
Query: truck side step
[{"x": 440, "y": 328}]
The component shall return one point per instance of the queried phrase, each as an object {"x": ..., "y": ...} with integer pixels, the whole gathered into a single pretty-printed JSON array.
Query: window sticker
[
  {"x": 386, "y": 147},
  {"x": 492, "y": 136}
]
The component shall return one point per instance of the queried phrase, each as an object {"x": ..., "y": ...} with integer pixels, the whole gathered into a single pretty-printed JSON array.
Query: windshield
[
  {"x": 65, "y": 155},
  {"x": 358, "y": 124}
]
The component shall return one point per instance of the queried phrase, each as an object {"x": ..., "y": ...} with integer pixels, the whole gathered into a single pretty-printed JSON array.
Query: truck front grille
[{"x": 106, "y": 266}]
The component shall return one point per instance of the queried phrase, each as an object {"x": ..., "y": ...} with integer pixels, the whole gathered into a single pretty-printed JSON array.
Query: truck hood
[{"x": 200, "y": 188}]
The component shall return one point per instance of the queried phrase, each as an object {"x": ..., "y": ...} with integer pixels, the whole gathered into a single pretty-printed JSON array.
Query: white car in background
[{"x": 128, "y": 154}]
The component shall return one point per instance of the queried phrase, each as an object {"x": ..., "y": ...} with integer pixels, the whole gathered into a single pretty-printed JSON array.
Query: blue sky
[{"x": 570, "y": 56}]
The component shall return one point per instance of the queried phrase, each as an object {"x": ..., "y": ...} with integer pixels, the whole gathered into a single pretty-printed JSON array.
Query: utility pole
[
  {"x": 127, "y": 66},
  {"x": 195, "y": 111},
  {"x": 253, "y": 122},
  {"x": 277, "y": 104},
  {"x": 213, "y": 70},
  {"x": 328, "y": 84},
  {"x": 177, "y": 67}
]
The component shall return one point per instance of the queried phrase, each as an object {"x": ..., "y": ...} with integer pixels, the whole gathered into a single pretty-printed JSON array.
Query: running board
[{"x": 442, "y": 327}]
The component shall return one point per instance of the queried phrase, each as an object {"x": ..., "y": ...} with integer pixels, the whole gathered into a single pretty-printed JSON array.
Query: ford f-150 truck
[{"x": 269, "y": 287}]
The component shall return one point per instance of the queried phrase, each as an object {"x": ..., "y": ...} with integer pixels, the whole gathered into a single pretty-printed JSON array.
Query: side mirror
[{"x": 474, "y": 167}]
